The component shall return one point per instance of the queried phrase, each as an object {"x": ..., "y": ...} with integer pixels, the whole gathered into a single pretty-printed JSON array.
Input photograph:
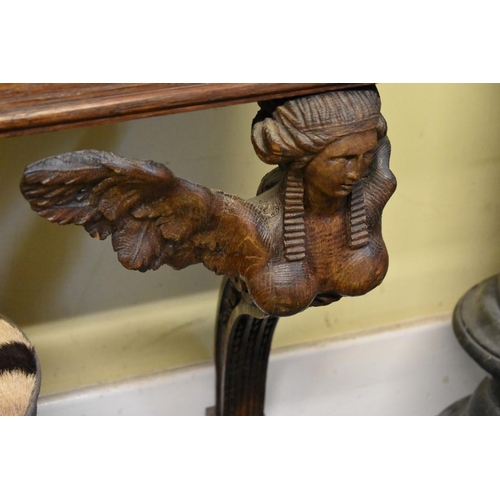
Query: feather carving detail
[{"x": 154, "y": 217}]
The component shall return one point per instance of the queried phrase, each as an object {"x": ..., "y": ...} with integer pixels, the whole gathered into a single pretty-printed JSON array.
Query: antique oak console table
[{"x": 310, "y": 236}]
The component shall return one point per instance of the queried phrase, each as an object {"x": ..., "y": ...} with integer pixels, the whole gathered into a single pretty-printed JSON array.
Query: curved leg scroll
[{"x": 243, "y": 342}]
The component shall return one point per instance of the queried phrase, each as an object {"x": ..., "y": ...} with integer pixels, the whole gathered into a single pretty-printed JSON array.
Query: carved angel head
[
  {"x": 294, "y": 131},
  {"x": 333, "y": 137}
]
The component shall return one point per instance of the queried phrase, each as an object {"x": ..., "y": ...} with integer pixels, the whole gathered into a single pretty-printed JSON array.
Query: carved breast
[{"x": 283, "y": 288}]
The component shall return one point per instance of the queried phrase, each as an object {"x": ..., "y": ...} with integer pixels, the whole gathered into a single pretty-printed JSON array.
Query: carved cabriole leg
[{"x": 243, "y": 342}]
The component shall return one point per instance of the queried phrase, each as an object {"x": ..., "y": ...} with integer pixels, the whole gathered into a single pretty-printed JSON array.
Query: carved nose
[{"x": 355, "y": 170}]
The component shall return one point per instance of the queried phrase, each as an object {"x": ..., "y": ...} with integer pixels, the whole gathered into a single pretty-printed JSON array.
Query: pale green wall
[
  {"x": 49, "y": 272},
  {"x": 442, "y": 228}
]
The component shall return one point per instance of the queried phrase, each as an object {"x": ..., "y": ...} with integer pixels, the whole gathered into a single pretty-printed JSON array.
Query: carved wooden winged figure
[{"x": 310, "y": 236}]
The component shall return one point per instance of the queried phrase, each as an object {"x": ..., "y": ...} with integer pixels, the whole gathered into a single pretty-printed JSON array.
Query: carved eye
[{"x": 336, "y": 161}]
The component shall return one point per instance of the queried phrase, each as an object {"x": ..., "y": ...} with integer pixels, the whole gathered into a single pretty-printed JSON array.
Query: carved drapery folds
[{"x": 310, "y": 236}]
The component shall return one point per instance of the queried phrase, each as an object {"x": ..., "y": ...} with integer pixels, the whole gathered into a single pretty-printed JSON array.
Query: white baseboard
[{"x": 414, "y": 369}]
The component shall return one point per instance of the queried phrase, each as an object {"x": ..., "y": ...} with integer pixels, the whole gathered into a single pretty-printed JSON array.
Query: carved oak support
[
  {"x": 310, "y": 236},
  {"x": 243, "y": 343}
]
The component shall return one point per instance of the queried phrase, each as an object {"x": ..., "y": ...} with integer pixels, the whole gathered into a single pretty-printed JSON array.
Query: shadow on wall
[{"x": 35, "y": 257}]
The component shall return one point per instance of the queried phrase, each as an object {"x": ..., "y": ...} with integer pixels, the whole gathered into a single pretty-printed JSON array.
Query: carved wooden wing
[{"x": 154, "y": 218}]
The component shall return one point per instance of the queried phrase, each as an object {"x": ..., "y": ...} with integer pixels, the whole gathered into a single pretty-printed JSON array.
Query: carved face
[{"x": 336, "y": 169}]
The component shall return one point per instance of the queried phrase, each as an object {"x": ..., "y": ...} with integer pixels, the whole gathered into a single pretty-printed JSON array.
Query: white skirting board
[{"x": 414, "y": 369}]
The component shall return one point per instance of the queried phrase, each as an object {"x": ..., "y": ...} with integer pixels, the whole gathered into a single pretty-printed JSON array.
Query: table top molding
[{"x": 28, "y": 108}]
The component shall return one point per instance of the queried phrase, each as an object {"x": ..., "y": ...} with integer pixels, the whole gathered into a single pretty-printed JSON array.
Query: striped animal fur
[{"x": 20, "y": 376}]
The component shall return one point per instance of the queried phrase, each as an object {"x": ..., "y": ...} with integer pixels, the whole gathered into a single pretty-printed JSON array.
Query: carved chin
[{"x": 345, "y": 189}]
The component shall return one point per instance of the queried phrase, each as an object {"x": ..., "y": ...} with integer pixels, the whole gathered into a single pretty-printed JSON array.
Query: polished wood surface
[
  {"x": 311, "y": 236},
  {"x": 27, "y": 108}
]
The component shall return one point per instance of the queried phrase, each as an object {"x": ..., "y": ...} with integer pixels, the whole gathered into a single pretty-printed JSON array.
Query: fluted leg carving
[{"x": 243, "y": 343}]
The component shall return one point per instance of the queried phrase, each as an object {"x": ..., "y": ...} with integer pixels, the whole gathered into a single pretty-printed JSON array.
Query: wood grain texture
[
  {"x": 243, "y": 343},
  {"x": 31, "y": 108},
  {"x": 310, "y": 236}
]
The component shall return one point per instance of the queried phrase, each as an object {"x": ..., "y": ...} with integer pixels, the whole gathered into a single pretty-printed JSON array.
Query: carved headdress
[{"x": 293, "y": 131}]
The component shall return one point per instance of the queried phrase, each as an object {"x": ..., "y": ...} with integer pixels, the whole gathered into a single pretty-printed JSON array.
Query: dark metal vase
[{"x": 476, "y": 322}]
